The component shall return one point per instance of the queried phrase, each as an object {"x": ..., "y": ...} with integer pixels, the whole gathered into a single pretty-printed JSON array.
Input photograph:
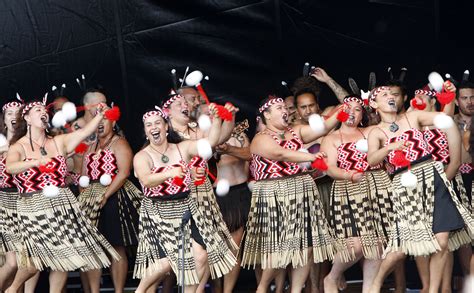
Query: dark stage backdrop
[{"x": 245, "y": 46}]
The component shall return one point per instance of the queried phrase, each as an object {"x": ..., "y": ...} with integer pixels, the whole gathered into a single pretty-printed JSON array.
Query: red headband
[
  {"x": 171, "y": 100},
  {"x": 377, "y": 91},
  {"x": 29, "y": 106},
  {"x": 425, "y": 93},
  {"x": 270, "y": 102},
  {"x": 13, "y": 104},
  {"x": 354, "y": 99},
  {"x": 157, "y": 112}
]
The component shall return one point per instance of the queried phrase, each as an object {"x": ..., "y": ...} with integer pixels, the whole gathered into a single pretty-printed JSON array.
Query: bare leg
[
  {"x": 267, "y": 276},
  {"x": 312, "y": 284},
  {"x": 168, "y": 283},
  {"x": 386, "y": 267},
  {"x": 119, "y": 269},
  {"x": 202, "y": 284},
  {"x": 280, "y": 278},
  {"x": 231, "y": 278},
  {"x": 331, "y": 281},
  {"x": 465, "y": 259},
  {"x": 200, "y": 258},
  {"x": 21, "y": 276},
  {"x": 423, "y": 266},
  {"x": 399, "y": 276},
  {"x": 438, "y": 261},
  {"x": 93, "y": 280},
  {"x": 8, "y": 270},
  {"x": 370, "y": 269},
  {"x": 325, "y": 268},
  {"x": 57, "y": 281},
  {"x": 300, "y": 274},
  {"x": 151, "y": 278},
  {"x": 30, "y": 284},
  {"x": 447, "y": 274},
  {"x": 85, "y": 282}
]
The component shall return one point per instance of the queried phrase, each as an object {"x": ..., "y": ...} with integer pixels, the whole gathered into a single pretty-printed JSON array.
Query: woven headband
[
  {"x": 13, "y": 104},
  {"x": 377, "y": 91},
  {"x": 354, "y": 99},
  {"x": 171, "y": 100},
  {"x": 157, "y": 112},
  {"x": 269, "y": 103},
  {"x": 425, "y": 93},
  {"x": 29, "y": 106}
]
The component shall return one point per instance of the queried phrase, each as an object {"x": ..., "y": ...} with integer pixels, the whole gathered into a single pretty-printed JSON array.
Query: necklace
[
  {"x": 281, "y": 135},
  {"x": 164, "y": 158},
  {"x": 41, "y": 147},
  {"x": 393, "y": 126}
]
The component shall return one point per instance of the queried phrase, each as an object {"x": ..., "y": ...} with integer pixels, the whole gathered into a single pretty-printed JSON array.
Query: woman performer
[
  {"x": 111, "y": 201},
  {"x": 360, "y": 206},
  {"x": 426, "y": 207},
  {"x": 286, "y": 223},
  {"x": 163, "y": 170},
  {"x": 54, "y": 232}
]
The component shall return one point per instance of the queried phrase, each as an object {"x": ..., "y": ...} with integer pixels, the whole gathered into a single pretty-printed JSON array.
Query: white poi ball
[
  {"x": 50, "y": 191},
  {"x": 316, "y": 122},
  {"x": 69, "y": 110},
  {"x": 84, "y": 181},
  {"x": 304, "y": 165},
  {"x": 59, "y": 119},
  {"x": 409, "y": 179},
  {"x": 105, "y": 179},
  {"x": 194, "y": 78},
  {"x": 204, "y": 149},
  {"x": 250, "y": 185},
  {"x": 362, "y": 145},
  {"x": 436, "y": 81},
  {"x": 222, "y": 188},
  {"x": 204, "y": 122},
  {"x": 3, "y": 140},
  {"x": 443, "y": 121}
]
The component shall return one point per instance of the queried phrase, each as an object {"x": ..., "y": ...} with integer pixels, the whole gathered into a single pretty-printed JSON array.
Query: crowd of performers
[{"x": 374, "y": 179}]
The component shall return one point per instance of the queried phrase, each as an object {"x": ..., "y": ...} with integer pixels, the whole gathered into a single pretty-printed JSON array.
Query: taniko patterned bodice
[
  {"x": 263, "y": 168},
  {"x": 437, "y": 145},
  {"x": 6, "y": 179},
  {"x": 416, "y": 145},
  {"x": 100, "y": 163},
  {"x": 466, "y": 168},
  {"x": 33, "y": 180},
  {"x": 349, "y": 158}
]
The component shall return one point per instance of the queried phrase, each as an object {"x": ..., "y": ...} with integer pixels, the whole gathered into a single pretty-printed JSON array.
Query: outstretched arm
[{"x": 321, "y": 75}]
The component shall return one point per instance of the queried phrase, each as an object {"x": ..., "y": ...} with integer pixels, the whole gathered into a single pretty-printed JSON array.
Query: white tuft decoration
[
  {"x": 50, "y": 191},
  {"x": 316, "y": 122},
  {"x": 250, "y": 185},
  {"x": 436, "y": 81},
  {"x": 3, "y": 140},
  {"x": 105, "y": 179},
  {"x": 362, "y": 145},
  {"x": 409, "y": 180},
  {"x": 69, "y": 111},
  {"x": 204, "y": 149},
  {"x": 59, "y": 119},
  {"x": 84, "y": 181},
  {"x": 194, "y": 78},
  {"x": 222, "y": 188},
  {"x": 204, "y": 122},
  {"x": 443, "y": 121}
]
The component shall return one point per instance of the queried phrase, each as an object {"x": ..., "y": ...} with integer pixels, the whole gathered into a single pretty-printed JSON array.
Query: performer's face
[
  {"x": 277, "y": 115},
  {"x": 355, "y": 112},
  {"x": 37, "y": 117},
  {"x": 93, "y": 100},
  {"x": 396, "y": 93},
  {"x": 10, "y": 117},
  {"x": 155, "y": 129},
  {"x": 465, "y": 101},
  {"x": 290, "y": 104},
  {"x": 192, "y": 97},
  {"x": 306, "y": 105},
  {"x": 385, "y": 102},
  {"x": 179, "y": 109},
  {"x": 430, "y": 103},
  {"x": 105, "y": 127}
]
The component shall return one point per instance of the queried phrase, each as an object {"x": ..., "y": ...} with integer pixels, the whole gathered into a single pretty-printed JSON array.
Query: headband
[
  {"x": 269, "y": 103},
  {"x": 377, "y": 91},
  {"x": 354, "y": 99},
  {"x": 157, "y": 112},
  {"x": 29, "y": 106},
  {"x": 20, "y": 103},
  {"x": 171, "y": 100},
  {"x": 425, "y": 93}
]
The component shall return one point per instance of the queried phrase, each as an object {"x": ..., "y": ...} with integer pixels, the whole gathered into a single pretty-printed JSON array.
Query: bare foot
[
  {"x": 330, "y": 285},
  {"x": 342, "y": 284}
]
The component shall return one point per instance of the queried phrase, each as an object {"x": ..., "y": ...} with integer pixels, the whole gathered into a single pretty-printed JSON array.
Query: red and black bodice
[
  {"x": 33, "y": 180},
  {"x": 169, "y": 188},
  {"x": 437, "y": 145},
  {"x": 6, "y": 179},
  {"x": 100, "y": 163},
  {"x": 416, "y": 149},
  {"x": 351, "y": 159}
]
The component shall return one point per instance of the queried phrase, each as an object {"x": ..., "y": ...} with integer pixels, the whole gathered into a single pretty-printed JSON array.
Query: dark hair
[
  {"x": 464, "y": 85},
  {"x": 96, "y": 89},
  {"x": 365, "y": 115},
  {"x": 306, "y": 82},
  {"x": 3, "y": 127},
  {"x": 20, "y": 129},
  {"x": 262, "y": 102},
  {"x": 397, "y": 83},
  {"x": 471, "y": 139},
  {"x": 304, "y": 91}
]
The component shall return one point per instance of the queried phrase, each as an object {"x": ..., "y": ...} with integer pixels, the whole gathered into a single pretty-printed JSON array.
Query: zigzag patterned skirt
[
  {"x": 429, "y": 208},
  {"x": 361, "y": 210},
  {"x": 58, "y": 236},
  {"x": 160, "y": 222},
  {"x": 118, "y": 219},
  {"x": 10, "y": 239},
  {"x": 286, "y": 218},
  {"x": 206, "y": 201}
]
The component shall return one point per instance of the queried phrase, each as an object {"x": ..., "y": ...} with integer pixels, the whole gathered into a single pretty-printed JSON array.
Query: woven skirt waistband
[{"x": 413, "y": 164}]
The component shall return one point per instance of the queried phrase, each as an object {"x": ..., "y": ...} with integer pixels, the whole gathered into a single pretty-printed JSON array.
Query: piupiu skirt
[
  {"x": 56, "y": 235},
  {"x": 464, "y": 191},
  {"x": 160, "y": 237},
  {"x": 429, "y": 208},
  {"x": 324, "y": 185},
  {"x": 10, "y": 235},
  {"x": 207, "y": 203},
  {"x": 235, "y": 206},
  {"x": 360, "y": 210},
  {"x": 118, "y": 219},
  {"x": 286, "y": 218}
]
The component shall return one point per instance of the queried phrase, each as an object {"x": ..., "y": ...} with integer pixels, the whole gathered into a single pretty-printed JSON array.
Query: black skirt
[{"x": 235, "y": 206}]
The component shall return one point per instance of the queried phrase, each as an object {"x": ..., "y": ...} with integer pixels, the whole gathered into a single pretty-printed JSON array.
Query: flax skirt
[
  {"x": 56, "y": 235},
  {"x": 10, "y": 239},
  {"x": 235, "y": 206},
  {"x": 118, "y": 219},
  {"x": 429, "y": 208},
  {"x": 160, "y": 222},
  {"x": 286, "y": 218},
  {"x": 361, "y": 210}
]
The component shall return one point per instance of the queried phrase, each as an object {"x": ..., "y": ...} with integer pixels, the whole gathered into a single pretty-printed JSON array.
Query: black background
[{"x": 246, "y": 47}]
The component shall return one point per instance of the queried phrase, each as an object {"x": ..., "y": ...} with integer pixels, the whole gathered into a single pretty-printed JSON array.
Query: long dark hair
[
  {"x": 3, "y": 126},
  {"x": 172, "y": 137}
]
